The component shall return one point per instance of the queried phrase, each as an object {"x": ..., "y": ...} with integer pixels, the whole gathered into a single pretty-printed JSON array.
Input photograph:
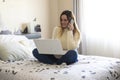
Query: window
[{"x": 100, "y": 26}]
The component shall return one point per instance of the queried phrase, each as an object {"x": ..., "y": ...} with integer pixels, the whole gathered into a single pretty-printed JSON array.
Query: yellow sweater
[{"x": 68, "y": 41}]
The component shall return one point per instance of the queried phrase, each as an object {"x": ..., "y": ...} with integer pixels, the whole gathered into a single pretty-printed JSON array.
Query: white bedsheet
[{"x": 87, "y": 68}]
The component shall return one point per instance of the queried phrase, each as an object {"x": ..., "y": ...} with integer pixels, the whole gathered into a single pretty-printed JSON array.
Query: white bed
[{"x": 87, "y": 68}]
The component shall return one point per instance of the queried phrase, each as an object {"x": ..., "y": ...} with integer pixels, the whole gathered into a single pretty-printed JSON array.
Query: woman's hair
[{"x": 70, "y": 16}]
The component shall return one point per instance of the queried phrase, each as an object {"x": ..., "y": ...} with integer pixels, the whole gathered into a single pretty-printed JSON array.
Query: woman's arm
[
  {"x": 56, "y": 33},
  {"x": 73, "y": 41}
]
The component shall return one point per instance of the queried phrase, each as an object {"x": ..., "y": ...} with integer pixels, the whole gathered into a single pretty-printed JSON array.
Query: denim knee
[
  {"x": 35, "y": 52},
  {"x": 71, "y": 55},
  {"x": 69, "y": 58}
]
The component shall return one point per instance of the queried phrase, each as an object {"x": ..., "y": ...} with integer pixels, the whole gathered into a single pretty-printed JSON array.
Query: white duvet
[{"x": 87, "y": 68}]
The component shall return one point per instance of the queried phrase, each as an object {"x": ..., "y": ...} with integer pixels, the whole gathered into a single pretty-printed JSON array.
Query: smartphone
[{"x": 72, "y": 21}]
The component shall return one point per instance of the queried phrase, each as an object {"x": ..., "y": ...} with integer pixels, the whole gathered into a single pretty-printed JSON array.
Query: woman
[{"x": 69, "y": 35}]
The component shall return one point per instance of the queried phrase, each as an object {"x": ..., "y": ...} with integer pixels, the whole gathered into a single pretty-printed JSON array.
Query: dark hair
[{"x": 68, "y": 14}]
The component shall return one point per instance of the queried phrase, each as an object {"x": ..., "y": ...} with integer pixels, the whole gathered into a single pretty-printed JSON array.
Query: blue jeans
[{"x": 69, "y": 58}]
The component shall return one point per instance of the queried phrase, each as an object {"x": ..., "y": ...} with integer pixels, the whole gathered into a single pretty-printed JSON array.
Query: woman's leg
[
  {"x": 48, "y": 59},
  {"x": 69, "y": 58}
]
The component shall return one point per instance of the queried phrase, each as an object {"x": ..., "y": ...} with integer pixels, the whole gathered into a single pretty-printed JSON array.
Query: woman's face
[{"x": 64, "y": 21}]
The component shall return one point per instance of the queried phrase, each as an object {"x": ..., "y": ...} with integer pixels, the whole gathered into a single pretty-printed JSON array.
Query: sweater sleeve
[
  {"x": 73, "y": 41},
  {"x": 55, "y": 33}
]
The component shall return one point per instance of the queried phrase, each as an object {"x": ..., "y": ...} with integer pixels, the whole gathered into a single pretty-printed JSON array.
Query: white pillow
[
  {"x": 14, "y": 51},
  {"x": 14, "y": 47},
  {"x": 15, "y": 38},
  {"x": 6, "y": 38}
]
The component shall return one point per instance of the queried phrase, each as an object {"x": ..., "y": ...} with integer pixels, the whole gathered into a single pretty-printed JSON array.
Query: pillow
[
  {"x": 15, "y": 38},
  {"x": 13, "y": 47},
  {"x": 13, "y": 51},
  {"x": 6, "y": 38}
]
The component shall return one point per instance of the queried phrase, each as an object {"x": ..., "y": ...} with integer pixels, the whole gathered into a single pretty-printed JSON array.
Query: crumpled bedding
[{"x": 87, "y": 68}]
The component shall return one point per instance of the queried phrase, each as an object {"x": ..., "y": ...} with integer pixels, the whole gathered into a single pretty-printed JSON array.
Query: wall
[
  {"x": 14, "y": 13},
  {"x": 65, "y": 5}
]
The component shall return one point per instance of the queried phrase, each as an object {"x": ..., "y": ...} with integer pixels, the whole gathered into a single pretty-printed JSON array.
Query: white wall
[
  {"x": 16, "y": 12},
  {"x": 65, "y": 5}
]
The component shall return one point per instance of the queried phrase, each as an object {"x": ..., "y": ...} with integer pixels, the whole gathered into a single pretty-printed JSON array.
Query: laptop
[{"x": 49, "y": 46}]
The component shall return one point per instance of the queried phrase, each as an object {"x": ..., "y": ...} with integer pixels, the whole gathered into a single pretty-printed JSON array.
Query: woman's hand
[{"x": 70, "y": 27}]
